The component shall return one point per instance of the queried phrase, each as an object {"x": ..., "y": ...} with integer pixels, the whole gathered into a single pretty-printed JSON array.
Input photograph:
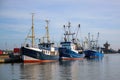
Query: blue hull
[
  {"x": 93, "y": 54},
  {"x": 38, "y": 55},
  {"x": 67, "y": 53}
]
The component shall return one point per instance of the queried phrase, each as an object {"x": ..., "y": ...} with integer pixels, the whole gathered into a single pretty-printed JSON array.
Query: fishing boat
[
  {"x": 45, "y": 52},
  {"x": 91, "y": 47},
  {"x": 70, "y": 48}
]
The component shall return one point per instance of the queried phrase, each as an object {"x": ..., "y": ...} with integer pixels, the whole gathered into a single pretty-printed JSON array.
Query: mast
[
  {"x": 33, "y": 35},
  {"x": 47, "y": 32},
  {"x": 97, "y": 39},
  {"x": 89, "y": 41},
  {"x": 65, "y": 33},
  {"x": 68, "y": 32},
  {"x": 69, "y": 25},
  {"x": 77, "y": 30}
]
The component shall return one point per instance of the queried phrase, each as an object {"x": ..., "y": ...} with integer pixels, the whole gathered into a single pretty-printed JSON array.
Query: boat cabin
[
  {"x": 68, "y": 45},
  {"x": 45, "y": 45}
]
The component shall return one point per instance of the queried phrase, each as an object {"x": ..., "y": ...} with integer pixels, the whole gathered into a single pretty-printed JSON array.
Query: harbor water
[{"x": 93, "y": 69}]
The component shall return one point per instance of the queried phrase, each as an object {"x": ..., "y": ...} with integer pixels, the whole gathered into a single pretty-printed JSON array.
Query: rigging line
[{"x": 27, "y": 36}]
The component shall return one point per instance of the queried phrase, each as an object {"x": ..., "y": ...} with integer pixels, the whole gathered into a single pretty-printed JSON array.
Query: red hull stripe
[
  {"x": 72, "y": 58},
  {"x": 39, "y": 61}
]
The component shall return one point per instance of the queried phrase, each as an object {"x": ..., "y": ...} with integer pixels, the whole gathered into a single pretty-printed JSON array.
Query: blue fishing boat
[
  {"x": 45, "y": 52},
  {"x": 93, "y": 54},
  {"x": 70, "y": 48},
  {"x": 93, "y": 50}
]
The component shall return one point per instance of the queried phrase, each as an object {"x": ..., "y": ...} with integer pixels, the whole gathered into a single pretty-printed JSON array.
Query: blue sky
[{"x": 101, "y": 16}]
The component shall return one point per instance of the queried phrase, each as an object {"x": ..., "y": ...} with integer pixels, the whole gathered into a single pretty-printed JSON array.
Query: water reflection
[
  {"x": 44, "y": 71},
  {"x": 65, "y": 70},
  {"x": 95, "y": 59},
  {"x": 9, "y": 71},
  {"x": 70, "y": 70},
  {"x": 106, "y": 68}
]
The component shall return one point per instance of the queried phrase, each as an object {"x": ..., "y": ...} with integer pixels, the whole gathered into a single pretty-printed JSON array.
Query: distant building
[
  {"x": 118, "y": 50},
  {"x": 1, "y": 52},
  {"x": 106, "y": 48}
]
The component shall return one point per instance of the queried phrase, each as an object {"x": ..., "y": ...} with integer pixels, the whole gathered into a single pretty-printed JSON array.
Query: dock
[{"x": 7, "y": 58}]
